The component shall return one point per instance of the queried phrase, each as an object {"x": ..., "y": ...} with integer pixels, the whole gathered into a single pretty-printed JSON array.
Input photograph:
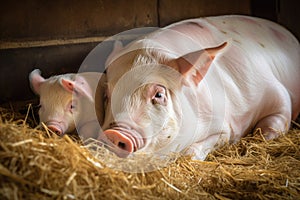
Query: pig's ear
[
  {"x": 79, "y": 87},
  {"x": 194, "y": 66},
  {"x": 118, "y": 46},
  {"x": 36, "y": 80}
]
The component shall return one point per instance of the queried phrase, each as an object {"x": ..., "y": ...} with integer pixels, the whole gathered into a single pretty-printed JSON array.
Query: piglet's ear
[
  {"x": 36, "y": 80},
  {"x": 194, "y": 66},
  {"x": 79, "y": 87}
]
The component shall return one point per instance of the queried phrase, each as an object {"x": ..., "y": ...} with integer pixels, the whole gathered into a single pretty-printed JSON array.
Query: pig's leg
[
  {"x": 201, "y": 149},
  {"x": 278, "y": 121},
  {"x": 273, "y": 125}
]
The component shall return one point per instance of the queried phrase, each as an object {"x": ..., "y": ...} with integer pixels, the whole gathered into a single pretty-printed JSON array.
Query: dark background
[{"x": 56, "y": 36}]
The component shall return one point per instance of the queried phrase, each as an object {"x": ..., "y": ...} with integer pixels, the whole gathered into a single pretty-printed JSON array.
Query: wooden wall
[
  {"x": 55, "y": 36},
  {"x": 44, "y": 20}
]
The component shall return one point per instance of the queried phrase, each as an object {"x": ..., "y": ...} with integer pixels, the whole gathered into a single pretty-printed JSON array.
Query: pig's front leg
[
  {"x": 201, "y": 149},
  {"x": 273, "y": 125},
  {"x": 278, "y": 121}
]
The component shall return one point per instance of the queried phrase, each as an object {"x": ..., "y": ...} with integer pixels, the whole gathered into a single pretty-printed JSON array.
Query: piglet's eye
[{"x": 72, "y": 106}]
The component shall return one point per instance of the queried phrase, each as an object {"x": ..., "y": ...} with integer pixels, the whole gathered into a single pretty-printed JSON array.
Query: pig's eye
[
  {"x": 158, "y": 95},
  {"x": 159, "y": 98},
  {"x": 72, "y": 106}
]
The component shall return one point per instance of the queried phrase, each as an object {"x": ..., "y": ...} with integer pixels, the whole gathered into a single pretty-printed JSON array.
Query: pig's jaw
[{"x": 123, "y": 140}]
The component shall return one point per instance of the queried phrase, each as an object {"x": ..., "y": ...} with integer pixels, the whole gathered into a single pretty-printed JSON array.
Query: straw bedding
[{"x": 36, "y": 164}]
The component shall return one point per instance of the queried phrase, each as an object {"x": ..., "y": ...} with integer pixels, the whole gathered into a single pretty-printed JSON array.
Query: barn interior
[{"x": 56, "y": 37}]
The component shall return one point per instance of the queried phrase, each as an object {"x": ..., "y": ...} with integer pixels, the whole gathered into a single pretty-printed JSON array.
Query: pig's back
[
  {"x": 271, "y": 50},
  {"x": 263, "y": 40},
  {"x": 260, "y": 51},
  {"x": 250, "y": 35}
]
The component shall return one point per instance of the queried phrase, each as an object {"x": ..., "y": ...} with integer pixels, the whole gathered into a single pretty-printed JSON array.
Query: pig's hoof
[
  {"x": 271, "y": 134},
  {"x": 273, "y": 126}
]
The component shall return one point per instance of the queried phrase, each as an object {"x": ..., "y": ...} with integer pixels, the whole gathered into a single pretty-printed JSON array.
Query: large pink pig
[
  {"x": 199, "y": 83},
  {"x": 67, "y": 102}
]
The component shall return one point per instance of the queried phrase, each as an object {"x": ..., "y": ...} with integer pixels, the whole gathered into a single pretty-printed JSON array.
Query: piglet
[{"x": 67, "y": 102}]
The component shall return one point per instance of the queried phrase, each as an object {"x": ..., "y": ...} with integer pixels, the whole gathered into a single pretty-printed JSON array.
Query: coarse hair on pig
[
  {"x": 67, "y": 100},
  {"x": 156, "y": 120},
  {"x": 146, "y": 97},
  {"x": 63, "y": 106}
]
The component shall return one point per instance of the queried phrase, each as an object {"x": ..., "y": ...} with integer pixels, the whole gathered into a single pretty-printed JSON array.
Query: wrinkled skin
[
  {"x": 67, "y": 102},
  {"x": 199, "y": 83}
]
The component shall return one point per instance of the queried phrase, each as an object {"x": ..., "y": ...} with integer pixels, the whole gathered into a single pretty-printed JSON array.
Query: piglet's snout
[
  {"x": 56, "y": 128},
  {"x": 124, "y": 141}
]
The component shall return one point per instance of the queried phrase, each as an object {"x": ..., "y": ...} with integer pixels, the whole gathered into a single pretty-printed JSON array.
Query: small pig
[
  {"x": 200, "y": 83},
  {"x": 67, "y": 102}
]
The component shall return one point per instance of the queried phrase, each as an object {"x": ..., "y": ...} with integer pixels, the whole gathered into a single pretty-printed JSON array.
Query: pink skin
[
  {"x": 253, "y": 83},
  {"x": 59, "y": 126},
  {"x": 129, "y": 134},
  {"x": 56, "y": 127},
  {"x": 62, "y": 100},
  {"x": 127, "y": 139},
  {"x": 124, "y": 141}
]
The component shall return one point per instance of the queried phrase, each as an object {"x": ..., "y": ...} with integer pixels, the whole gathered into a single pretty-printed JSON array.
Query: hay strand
[{"x": 37, "y": 164}]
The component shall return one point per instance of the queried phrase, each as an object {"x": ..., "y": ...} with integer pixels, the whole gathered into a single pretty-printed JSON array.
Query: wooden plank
[
  {"x": 265, "y": 9},
  {"x": 44, "y": 20},
  {"x": 171, "y": 11},
  {"x": 289, "y": 15},
  {"x": 16, "y": 64}
]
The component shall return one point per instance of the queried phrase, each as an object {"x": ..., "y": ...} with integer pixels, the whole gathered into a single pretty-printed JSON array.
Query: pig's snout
[
  {"x": 119, "y": 140},
  {"x": 56, "y": 128},
  {"x": 124, "y": 141}
]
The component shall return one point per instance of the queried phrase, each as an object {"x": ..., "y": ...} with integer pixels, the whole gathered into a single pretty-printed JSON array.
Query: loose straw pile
[{"x": 36, "y": 164}]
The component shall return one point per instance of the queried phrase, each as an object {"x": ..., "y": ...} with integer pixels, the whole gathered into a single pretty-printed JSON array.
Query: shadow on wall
[{"x": 79, "y": 26}]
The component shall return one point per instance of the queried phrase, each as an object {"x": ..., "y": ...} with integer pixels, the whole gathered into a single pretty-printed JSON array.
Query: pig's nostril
[
  {"x": 122, "y": 145},
  {"x": 119, "y": 140}
]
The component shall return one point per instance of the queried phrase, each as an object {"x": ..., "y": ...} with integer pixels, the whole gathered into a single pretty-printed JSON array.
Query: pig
[
  {"x": 67, "y": 102},
  {"x": 201, "y": 83}
]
